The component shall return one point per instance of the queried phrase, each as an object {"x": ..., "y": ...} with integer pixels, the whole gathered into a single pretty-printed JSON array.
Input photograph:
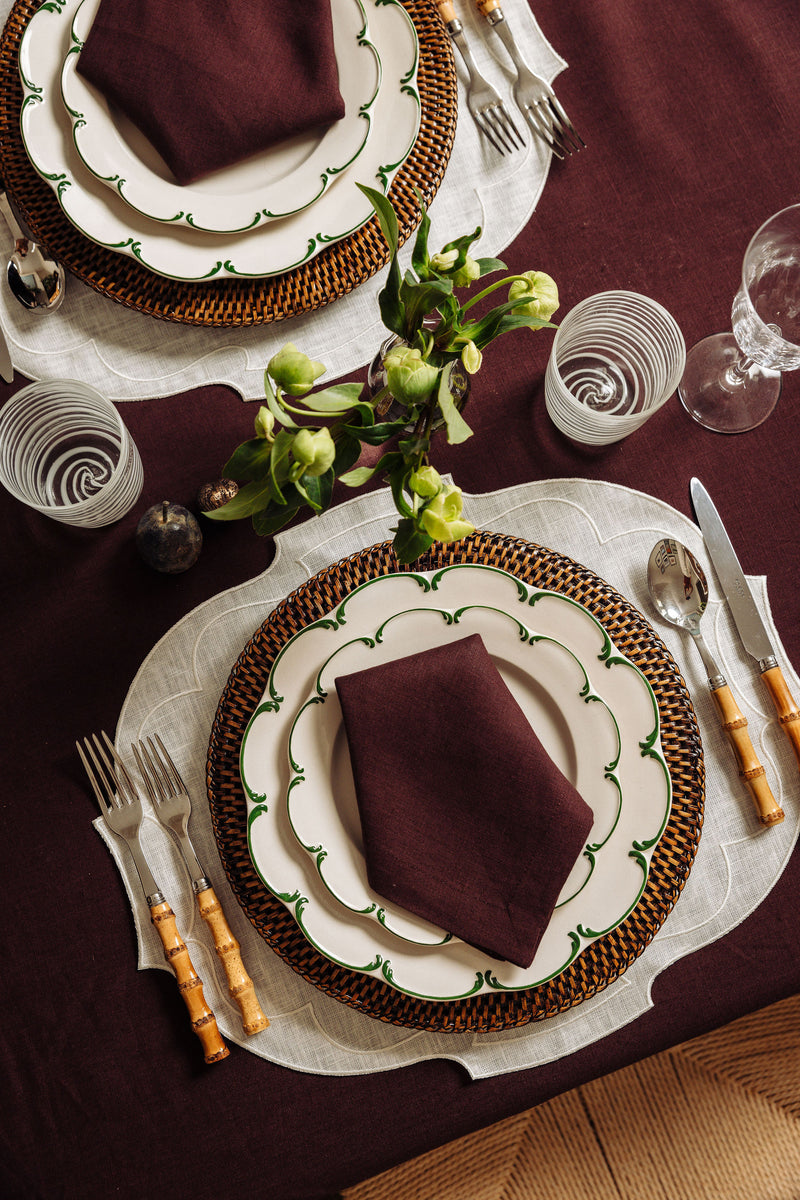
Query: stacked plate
[
  {"x": 593, "y": 709},
  {"x": 261, "y": 218}
]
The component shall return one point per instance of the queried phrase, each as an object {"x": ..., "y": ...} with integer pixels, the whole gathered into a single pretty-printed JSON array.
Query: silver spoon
[
  {"x": 679, "y": 590},
  {"x": 36, "y": 281}
]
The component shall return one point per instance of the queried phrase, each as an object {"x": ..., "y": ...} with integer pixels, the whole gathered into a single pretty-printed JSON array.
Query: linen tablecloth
[{"x": 687, "y": 112}]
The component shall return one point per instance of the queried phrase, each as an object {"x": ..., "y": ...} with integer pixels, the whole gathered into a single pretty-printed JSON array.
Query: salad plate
[
  {"x": 193, "y": 255},
  {"x": 558, "y": 699},
  {"x": 276, "y": 183},
  {"x": 577, "y": 689}
]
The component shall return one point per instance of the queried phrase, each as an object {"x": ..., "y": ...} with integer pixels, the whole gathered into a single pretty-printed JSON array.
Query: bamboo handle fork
[
  {"x": 121, "y": 809},
  {"x": 173, "y": 807}
]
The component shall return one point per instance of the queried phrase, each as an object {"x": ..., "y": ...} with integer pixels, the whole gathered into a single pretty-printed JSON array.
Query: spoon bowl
[
  {"x": 677, "y": 584},
  {"x": 38, "y": 282}
]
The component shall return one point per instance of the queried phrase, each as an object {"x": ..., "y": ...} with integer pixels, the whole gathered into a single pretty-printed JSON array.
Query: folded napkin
[
  {"x": 211, "y": 82},
  {"x": 467, "y": 821}
]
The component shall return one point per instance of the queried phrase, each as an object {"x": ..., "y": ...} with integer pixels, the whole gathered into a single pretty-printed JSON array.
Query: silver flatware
[
  {"x": 679, "y": 591},
  {"x": 121, "y": 809},
  {"x": 37, "y": 281},
  {"x": 746, "y": 616},
  {"x": 173, "y": 807},
  {"x": 483, "y": 101},
  {"x": 533, "y": 96}
]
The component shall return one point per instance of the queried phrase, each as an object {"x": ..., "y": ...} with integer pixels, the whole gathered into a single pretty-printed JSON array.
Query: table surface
[{"x": 689, "y": 113}]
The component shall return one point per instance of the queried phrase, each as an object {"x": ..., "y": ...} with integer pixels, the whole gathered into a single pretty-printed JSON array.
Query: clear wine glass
[{"x": 732, "y": 381}]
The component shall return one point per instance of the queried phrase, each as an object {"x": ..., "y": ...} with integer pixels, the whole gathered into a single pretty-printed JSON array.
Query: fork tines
[
  {"x": 109, "y": 778},
  {"x": 160, "y": 775}
]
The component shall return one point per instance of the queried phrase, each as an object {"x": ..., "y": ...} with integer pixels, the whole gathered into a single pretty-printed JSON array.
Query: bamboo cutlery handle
[
  {"x": 735, "y": 725},
  {"x": 447, "y": 11},
  {"x": 240, "y": 985},
  {"x": 204, "y": 1022},
  {"x": 785, "y": 707}
]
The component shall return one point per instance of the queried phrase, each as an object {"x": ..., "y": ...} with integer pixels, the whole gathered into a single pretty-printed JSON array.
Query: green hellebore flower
[
  {"x": 265, "y": 423},
  {"x": 467, "y": 274},
  {"x": 539, "y": 293},
  {"x": 315, "y": 449},
  {"x": 444, "y": 261},
  {"x": 472, "y": 358},
  {"x": 294, "y": 371},
  {"x": 441, "y": 518},
  {"x": 409, "y": 377},
  {"x": 425, "y": 482}
]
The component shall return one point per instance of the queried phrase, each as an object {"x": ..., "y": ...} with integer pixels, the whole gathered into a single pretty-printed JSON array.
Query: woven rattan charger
[
  {"x": 601, "y": 962},
  {"x": 334, "y": 272}
]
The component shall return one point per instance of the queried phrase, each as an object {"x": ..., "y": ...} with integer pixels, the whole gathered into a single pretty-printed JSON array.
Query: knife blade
[
  {"x": 748, "y": 620},
  {"x": 6, "y": 366}
]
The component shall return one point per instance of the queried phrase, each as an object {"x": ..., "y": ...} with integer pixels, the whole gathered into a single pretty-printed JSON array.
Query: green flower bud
[
  {"x": 315, "y": 449},
  {"x": 409, "y": 377},
  {"x": 444, "y": 261},
  {"x": 467, "y": 274},
  {"x": 425, "y": 482},
  {"x": 441, "y": 518},
  {"x": 265, "y": 423},
  {"x": 472, "y": 358},
  {"x": 539, "y": 293},
  {"x": 294, "y": 371}
]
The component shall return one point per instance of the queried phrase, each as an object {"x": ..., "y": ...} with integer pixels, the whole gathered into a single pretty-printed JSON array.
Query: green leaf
[
  {"x": 376, "y": 435},
  {"x": 337, "y": 399},
  {"x": 457, "y": 428},
  {"x": 278, "y": 463},
  {"x": 357, "y": 477},
  {"x": 250, "y": 460},
  {"x": 421, "y": 298},
  {"x": 271, "y": 519},
  {"x": 409, "y": 542},
  {"x": 348, "y": 449},
  {"x": 387, "y": 217},
  {"x": 420, "y": 258},
  {"x": 248, "y": 500},
  {"x": 279, "y": 413},
  {"x": 319, "y": 489},
  {"x": 489, "y": 265}
]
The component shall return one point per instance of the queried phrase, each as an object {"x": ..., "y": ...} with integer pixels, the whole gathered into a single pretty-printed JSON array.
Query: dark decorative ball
[
  {"x": 169, "y": 538},
  {"x": 214, "y": 495}
]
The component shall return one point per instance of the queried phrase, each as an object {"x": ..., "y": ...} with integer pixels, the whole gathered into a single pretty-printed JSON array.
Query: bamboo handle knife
[{"x": 735, "y": 725}]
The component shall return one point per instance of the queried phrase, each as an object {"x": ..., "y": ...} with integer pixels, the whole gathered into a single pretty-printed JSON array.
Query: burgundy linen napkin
[
  {"x": 467, "y": 821},
  {"x": 211, "y": 82}
]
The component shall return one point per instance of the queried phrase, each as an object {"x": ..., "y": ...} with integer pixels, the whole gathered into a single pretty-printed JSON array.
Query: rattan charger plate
[
  {"x": 334, "y": 272},
  {"x": 600, "y": 963}
]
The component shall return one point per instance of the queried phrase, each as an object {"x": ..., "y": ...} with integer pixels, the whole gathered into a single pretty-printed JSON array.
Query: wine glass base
[{"x": 724, "y": 391}]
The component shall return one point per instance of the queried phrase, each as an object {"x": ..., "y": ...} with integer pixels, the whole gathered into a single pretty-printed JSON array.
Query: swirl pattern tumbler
[
  {"x": 616, "y": 359},
  {"x": 65, "y": 452}
]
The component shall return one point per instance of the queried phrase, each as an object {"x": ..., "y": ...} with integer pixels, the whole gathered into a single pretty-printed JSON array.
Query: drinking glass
[
  {"x": 733, "y": 380},
  {"x": 65, "y": 451},
  {"x": 616, "y": 359}
]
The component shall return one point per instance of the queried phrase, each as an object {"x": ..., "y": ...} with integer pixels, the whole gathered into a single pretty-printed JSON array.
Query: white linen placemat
[
  {"x": 127, "y": 355},
  {"x": 608, "y": 528}
]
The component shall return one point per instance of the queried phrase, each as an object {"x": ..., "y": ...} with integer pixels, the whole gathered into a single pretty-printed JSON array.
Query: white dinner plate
[
  {"x": 631, "y": 804},
  {"x": 321, "y": 797},
  {"x": 273, "y": 184},
  {"x": 180, "y": 252}
]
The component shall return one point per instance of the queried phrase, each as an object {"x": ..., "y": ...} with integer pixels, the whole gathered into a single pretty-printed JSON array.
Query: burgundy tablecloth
[{"x": 691, "y": 114}]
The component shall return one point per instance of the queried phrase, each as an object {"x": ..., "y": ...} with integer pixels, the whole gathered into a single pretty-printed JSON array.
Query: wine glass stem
[{"x": 737, "y": 372}]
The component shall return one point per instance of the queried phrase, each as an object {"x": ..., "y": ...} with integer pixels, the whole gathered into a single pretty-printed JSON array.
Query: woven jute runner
[{"x": 717, "y": 1118}]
